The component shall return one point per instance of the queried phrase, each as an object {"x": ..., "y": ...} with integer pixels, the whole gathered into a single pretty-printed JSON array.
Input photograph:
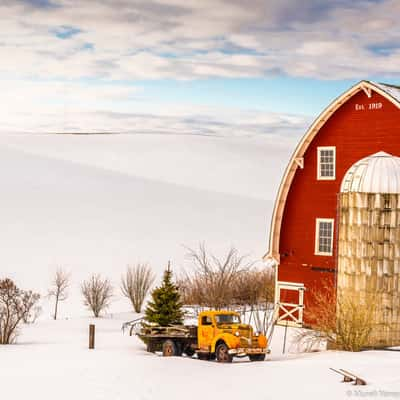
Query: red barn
[{"x": 303, "y": 236}]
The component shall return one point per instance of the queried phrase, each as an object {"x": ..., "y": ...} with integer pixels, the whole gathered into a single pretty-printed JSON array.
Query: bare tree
[
  {"x": 212, "y": 281},
  {"x": 136, "y": 283},
  {"x": 97, "y": 294},
  {"x": 16, "y": 305},
  {"x": 33, "y": 315},
  {"x": 253, "y": 295},
  {"x": 59, "y": 289},
  {"x": 254, "y": 287}
]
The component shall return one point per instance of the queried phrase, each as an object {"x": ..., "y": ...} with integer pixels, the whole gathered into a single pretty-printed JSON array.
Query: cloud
[
  {"x": 78, "y": 107},
  {"x": 49, "y": 47},
  {"x": 191, "y": 39}
]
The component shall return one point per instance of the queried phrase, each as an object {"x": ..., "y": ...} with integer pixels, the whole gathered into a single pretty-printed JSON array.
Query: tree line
[{"x": 211, "y": 281}]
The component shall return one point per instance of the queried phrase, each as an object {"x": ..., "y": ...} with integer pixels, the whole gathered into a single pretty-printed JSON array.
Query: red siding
[{"x": 356, "y": 134}]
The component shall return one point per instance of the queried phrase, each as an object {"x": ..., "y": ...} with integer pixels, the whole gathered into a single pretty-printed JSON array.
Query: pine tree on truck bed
[{"x": 165, "y": 308}]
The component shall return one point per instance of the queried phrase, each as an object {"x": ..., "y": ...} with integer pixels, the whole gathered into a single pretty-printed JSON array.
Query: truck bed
[
  {"x": 183, "y": 336},
  {"x": 176, "y": 331}
]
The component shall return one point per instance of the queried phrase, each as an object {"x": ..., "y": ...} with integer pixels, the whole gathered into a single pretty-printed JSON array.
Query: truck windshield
[{"x": 227, "y": 319}]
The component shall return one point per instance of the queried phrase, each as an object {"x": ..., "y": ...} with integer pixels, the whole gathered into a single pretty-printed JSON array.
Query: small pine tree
[{"x": 165, "y": 308}]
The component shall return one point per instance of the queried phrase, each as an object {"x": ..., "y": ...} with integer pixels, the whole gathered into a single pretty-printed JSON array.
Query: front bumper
[{"x": 243, "y": 351}]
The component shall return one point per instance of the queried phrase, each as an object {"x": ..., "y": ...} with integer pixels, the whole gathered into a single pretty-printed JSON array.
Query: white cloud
[
  {"x": 77, "y": 107},
  {"x": 127, "y": 40},
  {"x": 170, "y": 38}
]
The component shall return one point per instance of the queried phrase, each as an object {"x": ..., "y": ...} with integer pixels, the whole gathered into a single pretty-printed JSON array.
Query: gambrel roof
[{"x": 390, "y": 92}]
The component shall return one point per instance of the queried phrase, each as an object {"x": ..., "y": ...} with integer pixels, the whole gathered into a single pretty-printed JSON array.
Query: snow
[
  {"x": 96, "y": 203},
  {"x": 52, "y": 361},
  {"x": 393, "y": 91},
  {"x": 245, "y": 166}
]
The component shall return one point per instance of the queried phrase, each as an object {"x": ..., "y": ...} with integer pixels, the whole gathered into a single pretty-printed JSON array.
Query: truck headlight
[
  {"x": 257, "y": 334},
  {"x": 237, "y": 333}
]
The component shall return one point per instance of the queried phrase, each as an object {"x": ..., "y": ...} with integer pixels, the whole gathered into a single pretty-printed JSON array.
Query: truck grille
[
  {"x": 244, "y": 331},
  {"x": 245, "y": 342}
]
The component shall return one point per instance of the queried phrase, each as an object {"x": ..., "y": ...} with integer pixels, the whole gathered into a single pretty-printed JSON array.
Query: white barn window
[
  {"x": 324, "y": 236},
  {"x": 326, "y": 163}
]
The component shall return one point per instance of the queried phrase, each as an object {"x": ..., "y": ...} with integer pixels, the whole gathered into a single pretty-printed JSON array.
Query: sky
[{"x": 212, "y": 67}]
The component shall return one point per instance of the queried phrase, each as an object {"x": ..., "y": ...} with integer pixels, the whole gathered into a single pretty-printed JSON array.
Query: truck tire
[
  {"x": 222, "y": 353},
  {"x": 169, "y": 349},
  {"x": 257, "y": 357}
]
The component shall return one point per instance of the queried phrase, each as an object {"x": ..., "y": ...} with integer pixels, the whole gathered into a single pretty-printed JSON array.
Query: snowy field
[
  {"x": 52, "y": 361},
  {"x": 96, "y": 203},
  {"x": 99, "y": 203}
]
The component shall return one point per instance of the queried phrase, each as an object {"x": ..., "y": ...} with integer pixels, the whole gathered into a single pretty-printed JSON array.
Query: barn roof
[
  {"x": 378, "y": 173},
  {"x": 390, "y": 92}
]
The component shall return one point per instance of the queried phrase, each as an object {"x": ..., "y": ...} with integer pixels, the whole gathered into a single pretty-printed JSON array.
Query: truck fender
[{"x": 230, "y": 340}]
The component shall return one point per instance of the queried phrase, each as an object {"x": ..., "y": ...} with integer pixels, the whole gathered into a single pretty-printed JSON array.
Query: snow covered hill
[
  {"x": 246, "y": 166},
  {"x": 97, "y": 203}
]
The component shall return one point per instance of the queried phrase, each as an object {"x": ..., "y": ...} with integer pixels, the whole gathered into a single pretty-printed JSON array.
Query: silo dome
[{"x": 378, "y": 173}]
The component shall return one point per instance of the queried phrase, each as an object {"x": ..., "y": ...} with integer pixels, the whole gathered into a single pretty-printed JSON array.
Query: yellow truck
[{"x": 219, "y": 335}]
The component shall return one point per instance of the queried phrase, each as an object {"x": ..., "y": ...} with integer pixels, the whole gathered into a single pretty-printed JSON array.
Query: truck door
[{"x": 206, "y": 332}]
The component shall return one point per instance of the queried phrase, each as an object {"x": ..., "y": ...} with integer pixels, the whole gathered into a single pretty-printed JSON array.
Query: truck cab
[{"x": 221, "y": 335}]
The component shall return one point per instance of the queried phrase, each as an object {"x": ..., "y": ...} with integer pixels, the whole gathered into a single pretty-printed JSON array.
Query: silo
[{"x": 369, "y": 244}]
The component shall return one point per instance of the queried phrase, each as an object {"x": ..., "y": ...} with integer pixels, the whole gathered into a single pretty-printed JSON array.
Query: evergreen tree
[{"x": 165, "y": 308}]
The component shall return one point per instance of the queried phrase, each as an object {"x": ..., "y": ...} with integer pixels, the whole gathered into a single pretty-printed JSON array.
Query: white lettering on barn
[{"x": 369, "y": 106}]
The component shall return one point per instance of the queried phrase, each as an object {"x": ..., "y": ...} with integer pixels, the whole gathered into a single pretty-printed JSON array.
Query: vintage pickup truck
[{"x": 219, "y": 335}]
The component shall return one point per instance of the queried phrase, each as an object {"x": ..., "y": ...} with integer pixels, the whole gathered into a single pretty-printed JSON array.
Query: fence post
[
  {"x": 91, "y": 336},
  {"x": 284, "y": 339}
]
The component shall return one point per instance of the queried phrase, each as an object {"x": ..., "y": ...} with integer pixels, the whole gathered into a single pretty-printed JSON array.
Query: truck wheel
[
  {"x": 169, "y": 349},
  {"x": 257, "y": 357},
  {"x": 222, "y": 353}
]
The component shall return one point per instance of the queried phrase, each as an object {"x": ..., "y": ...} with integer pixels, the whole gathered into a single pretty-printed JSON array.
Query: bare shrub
[
  {"x": 212, "y": 280},
  {"x": 355, "y": 321},
  {"x": 97, "y": 294},
  {"x": 136, "y": 283},
  {"x": 59, "y": 289},
  {"x": 16, "y": 306},
  {"x": 254, "y": 287},
  {"x": 343, "y": 322},
  {"x": 254, "y": 296},
  {"x": 33, "y": 315}
]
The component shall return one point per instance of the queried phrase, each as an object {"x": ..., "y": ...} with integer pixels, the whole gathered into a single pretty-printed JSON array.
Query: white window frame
[
  {"x": 317, "y": 223},
  {"x": 326, "y": 178}
]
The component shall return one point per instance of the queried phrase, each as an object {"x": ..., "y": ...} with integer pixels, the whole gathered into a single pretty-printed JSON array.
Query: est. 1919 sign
[{"x": 369, "y": 106}]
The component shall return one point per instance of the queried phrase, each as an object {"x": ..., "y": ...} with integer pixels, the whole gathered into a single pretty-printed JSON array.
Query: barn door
[{"x": 290, "y": 303}]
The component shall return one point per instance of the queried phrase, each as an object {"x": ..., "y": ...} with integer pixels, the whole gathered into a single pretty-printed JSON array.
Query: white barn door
[{"x": 290, "y": 303}]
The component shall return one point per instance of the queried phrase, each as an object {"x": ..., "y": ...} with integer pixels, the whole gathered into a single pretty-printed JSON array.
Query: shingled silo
[{"x": 369, "y": 243}]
